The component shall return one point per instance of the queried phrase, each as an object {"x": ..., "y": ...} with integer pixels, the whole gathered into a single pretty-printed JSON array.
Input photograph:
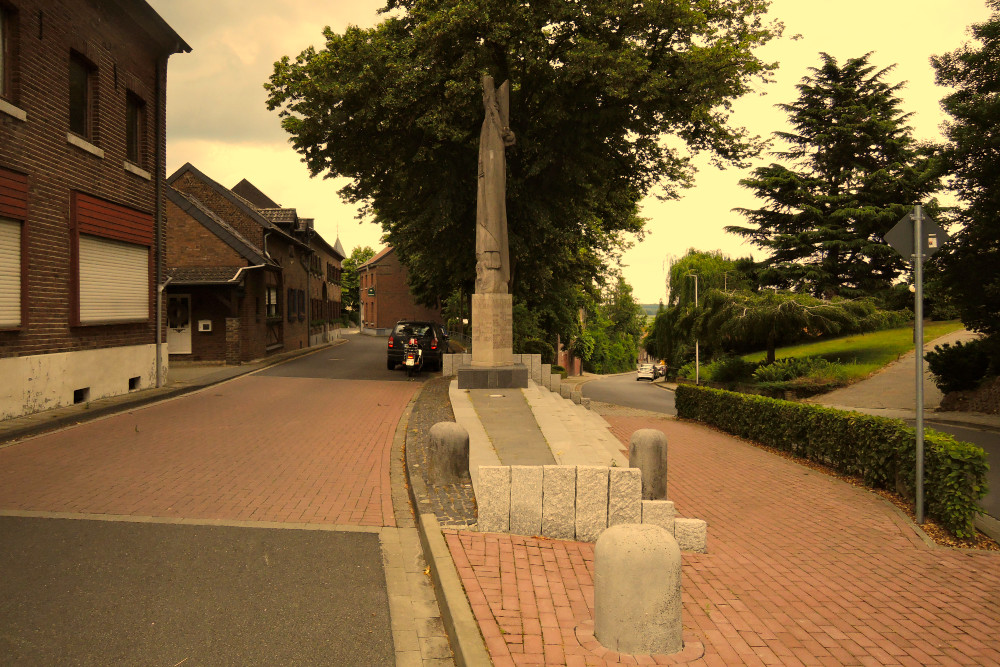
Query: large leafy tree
[
  {"x": 350, "y": 282},
  {"x": 972, "y": 260},
  {"x": 607, "y": 101},
  {"x": 851, "y": 170}
]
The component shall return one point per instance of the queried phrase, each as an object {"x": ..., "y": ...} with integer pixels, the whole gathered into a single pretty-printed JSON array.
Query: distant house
[
  {"x": 385, "y": 294},
  {"x": 243, "y": 283},
  {"x": 82, "y": 144}
]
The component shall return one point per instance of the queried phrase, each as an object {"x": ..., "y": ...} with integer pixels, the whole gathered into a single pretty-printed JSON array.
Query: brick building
[
  {"x": 245, "y": 281},
  {"x": 82, "y": 155},
  {"x": 385, "y": 295}
]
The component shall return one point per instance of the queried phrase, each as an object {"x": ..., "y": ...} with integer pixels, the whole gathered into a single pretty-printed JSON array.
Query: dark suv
[{"x": 431, "y": 337}]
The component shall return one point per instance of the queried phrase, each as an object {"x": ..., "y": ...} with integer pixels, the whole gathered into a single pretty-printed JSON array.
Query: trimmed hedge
[{"x": 880, "y": 451}]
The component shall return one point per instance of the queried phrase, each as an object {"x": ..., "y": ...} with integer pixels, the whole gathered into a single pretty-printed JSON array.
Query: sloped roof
[
  {"x": 339, "y": 249},
  {"x": 279, "y": 215},
  {"x": 252, "y": 194},
  {"x": 378, "y": 256},
  {"x": 203, "y": 275},
  {"x": 213, "y": 223},
  {"x": 154, "y": 25}
]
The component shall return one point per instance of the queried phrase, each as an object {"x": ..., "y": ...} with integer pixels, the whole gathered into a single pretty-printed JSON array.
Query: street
[
  {"x": 624, "y": 389},
  {"x": 240, "y": 524}
]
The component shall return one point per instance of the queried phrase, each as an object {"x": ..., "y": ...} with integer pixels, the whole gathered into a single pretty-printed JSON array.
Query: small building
[
  {"x": 82, "y": 162},
  {"x": 385, "y": 295},
  {"x": 245, "y": 281}
]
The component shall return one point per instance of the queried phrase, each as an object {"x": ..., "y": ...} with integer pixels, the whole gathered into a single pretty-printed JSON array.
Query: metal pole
[
  {"x": 697, "y": 361},
  {"x": 918, "y": 312}
]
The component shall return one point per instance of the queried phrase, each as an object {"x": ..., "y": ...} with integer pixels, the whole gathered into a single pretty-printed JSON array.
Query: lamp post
[{"x": 697, "y": 363}]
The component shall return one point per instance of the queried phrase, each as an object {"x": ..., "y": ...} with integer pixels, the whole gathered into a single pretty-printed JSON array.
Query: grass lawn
[{"x": 864, "y": 354}]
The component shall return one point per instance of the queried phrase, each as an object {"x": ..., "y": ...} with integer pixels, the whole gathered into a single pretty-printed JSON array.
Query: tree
[
  {"x": 350, "y": 298},
  {"x": 596, "y": 89},
  {"x": 972, "y": 260},
  {"x": 854, "y": 171},
  {"x": 769, "y": 318},
  {"x": 609, "y": 342}
]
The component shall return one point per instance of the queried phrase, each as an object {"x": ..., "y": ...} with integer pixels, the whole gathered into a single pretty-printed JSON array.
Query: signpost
[{"x": 916, "y": 235}]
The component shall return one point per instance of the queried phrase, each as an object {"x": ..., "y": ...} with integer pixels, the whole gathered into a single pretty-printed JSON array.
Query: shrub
[
  {"x": 729, "y": 369},
  {"x": 813, "y": 368},
  {"x": 960, "y": 366},
  {"x": 560, "y": 370},
  {"x": 880, "y": 451}
]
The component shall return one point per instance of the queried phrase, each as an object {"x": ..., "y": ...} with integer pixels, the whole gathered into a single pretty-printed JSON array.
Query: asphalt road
[
  {"x": 624, "y": 389},
  {"x": 91, "y": 592}
]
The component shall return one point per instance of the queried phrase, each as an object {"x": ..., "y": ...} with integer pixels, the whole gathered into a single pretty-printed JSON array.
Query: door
[{"x": 179, "y": 323}]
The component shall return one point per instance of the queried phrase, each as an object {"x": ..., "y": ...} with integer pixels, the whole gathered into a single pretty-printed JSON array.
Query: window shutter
[
  {"x": 292, "y": 304},
  {"x": 10, "y": 273},
  {"x": 114, "y": 281}
]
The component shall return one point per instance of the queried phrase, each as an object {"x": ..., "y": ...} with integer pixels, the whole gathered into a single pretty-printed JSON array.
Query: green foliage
[
  {"x": 814, "y": 368},
  {"x": 609, "y": 341},
  {"x": 607, "y": 101},
  {"x": 878, "y": 450},
  {"x": 853, "y": 170},
  {"x": 729, "y": 369},
  {"x": 536, "y": 346},
  {"x": 350, "y": 282},
  {"x": 960, "y": 366},
  {"x": 972, "y": 259}
]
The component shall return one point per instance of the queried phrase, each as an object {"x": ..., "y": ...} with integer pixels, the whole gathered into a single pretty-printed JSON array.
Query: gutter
[{"x": 161, "y": 167}]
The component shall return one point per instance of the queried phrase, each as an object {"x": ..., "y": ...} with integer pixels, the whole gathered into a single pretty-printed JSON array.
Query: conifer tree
[
  {"x": 851, "y": 170},
  {"x": 971, "y": 260}
]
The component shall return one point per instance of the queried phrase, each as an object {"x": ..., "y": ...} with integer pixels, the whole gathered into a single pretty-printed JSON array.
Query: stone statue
[{"x": 492, "y": 258}]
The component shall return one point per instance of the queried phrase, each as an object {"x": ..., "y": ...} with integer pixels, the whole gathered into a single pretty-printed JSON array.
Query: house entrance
[{"x": 179, "y": 323}]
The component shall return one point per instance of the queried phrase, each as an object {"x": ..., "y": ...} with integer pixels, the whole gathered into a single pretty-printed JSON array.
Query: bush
[
  {"x": 880, "y": 451},
  {"x": 560, "y": 370},
  {"x": 813, "y": 368},
  {"x": 730, "y": 369},
  {"x": 536, "y": 346},
  {"x": 960, "y": 366}
]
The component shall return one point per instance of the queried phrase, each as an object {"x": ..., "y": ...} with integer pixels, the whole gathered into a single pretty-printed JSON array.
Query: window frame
[
  {"x": 135, "y": 129},
  {"x": 80, "y": 63},
  {"x": 8, "y": 34}
]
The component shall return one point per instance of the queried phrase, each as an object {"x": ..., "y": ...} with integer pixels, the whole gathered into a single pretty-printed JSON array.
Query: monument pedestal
[{"x": 493, "y": 364}]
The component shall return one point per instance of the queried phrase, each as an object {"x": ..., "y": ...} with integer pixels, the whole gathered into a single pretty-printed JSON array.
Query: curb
[
  {"x": 125, "y": 402},
  {"x": 460, "y": 623}
]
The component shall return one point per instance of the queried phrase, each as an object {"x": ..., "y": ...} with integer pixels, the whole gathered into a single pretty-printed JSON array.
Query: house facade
[
  {"x": 243, "y": 284},
  {"x": 82, "y": 155},
  {"x": 385, "y": 295}
]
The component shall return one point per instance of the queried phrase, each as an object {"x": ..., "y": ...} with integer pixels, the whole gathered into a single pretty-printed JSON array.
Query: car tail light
[
  {"x": 434, "y": 344},
  {"x": 390, "y": 341}
]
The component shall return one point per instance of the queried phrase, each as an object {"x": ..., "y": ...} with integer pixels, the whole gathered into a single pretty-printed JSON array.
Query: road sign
[{"x": 900, "y": 237}]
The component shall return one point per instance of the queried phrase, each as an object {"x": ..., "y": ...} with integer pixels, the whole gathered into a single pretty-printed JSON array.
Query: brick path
[
  {"x": 802, "y": 569},
  {"x": 260, "y": 449}
]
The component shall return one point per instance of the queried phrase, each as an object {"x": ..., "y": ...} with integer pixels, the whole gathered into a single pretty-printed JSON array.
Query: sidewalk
[
  {"x": 801, "y": 569},
  {"x": 182, "y": 378}
]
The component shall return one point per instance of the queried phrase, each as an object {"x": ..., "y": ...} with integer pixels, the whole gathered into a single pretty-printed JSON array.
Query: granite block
[
  {"x": 493, "y": 498},
  {"x": 624, "y": 496},
  {"x": 591, "y": 502},
  {"x": 691, "y": 535},
  {"x": 559, "y": 502},
  {"x": 659, "y": 513},
  {"x": 526, "y": 500}
]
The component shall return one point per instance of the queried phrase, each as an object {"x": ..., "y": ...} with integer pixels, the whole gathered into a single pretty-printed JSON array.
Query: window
[
  {"x": 7, "y": 39},
  {"x": 10, "y": 273},
  {"x": 82, "y": 96},
  {"x": 302, "y": 305},
  {"x": 272, "y": 302},
  {"x": 135, "y": 128},
  {"x": 292, "y": 304},
  {"x": 114, "y": 281}
]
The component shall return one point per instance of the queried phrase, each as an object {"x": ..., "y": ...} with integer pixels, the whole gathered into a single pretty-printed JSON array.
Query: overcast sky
[{"x": 217, "y": 119}]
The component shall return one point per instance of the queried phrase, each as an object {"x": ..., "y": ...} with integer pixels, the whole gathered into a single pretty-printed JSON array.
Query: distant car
[
  {"x": 645, "y": 372},
  {"x": 430, "y": 336},
  {"x": 660, "y": 370}
]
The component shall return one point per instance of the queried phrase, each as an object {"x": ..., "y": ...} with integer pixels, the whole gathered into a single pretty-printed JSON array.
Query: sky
[{"x": 217, "y": 118}]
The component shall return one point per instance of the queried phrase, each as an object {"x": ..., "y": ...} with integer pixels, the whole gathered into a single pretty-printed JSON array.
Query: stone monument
[{"x": 492, "y": 332}]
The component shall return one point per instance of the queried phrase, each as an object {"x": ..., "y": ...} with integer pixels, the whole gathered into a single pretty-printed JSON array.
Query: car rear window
[{"x": 418, "y": 330}]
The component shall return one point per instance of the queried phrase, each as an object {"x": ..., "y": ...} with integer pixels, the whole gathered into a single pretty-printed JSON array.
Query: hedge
[{"x": 880, "y": 451}]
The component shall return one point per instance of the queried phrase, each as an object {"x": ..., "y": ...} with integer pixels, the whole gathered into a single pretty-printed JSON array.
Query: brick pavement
[
  {"x": 802, "y": 569},
  {"x": 230, "y": 452}
]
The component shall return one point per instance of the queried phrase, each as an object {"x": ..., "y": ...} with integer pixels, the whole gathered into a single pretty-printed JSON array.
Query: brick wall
[
  {"x": 392, "y": 300},
  {"x": 47, "y": 31},
  {"x": 189, "y": 244}
]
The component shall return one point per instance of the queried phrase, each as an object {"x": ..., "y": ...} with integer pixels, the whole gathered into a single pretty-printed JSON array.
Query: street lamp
[{"x": 697, "y": 363}]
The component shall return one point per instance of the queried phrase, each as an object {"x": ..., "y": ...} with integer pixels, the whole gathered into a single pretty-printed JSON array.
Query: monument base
[
  {"x": 512, "y": 376},
  {"x": 492, "y": 330}
]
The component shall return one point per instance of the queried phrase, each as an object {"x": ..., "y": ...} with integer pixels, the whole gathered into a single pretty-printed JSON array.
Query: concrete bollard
[
  {"x": 447, "y": 453},
  {"x": 647, "y": 451},
  {"x": 637, "y": 590}
]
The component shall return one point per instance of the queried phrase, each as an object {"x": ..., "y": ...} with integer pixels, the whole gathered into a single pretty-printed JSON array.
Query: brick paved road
[
  {"x": 260, "y": 448},
  {"x": 802, "y": 569}
]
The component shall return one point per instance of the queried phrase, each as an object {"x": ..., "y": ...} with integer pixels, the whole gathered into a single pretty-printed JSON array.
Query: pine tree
[
  {"x": 971, "y": 260},
  {"x": 853, "y": 171}
]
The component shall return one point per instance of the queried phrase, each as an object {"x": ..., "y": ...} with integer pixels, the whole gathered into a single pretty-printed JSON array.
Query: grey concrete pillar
[
  {"x": 637, "y": 590},
  {"x": 647, "y": 451},
  {"x": 447, "y": 453}
]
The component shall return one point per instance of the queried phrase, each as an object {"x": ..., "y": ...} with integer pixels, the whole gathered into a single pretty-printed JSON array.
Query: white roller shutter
[
  {"x": 114, "y": 281},
  {"x": 10, "y": 273}
]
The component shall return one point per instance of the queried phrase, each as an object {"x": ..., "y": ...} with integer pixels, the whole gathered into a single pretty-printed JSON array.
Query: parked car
[
  {"x": 430, "y": 336},
  {"x": 659, "y": 370},
  {"x": 645, "y": 372}
]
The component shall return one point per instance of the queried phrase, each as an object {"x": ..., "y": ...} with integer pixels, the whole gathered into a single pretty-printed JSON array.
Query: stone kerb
[{"x": 575, "y": 503}]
